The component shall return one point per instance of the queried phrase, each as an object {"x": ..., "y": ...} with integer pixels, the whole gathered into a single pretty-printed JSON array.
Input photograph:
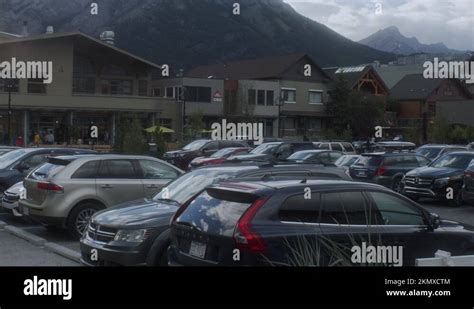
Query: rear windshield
[
  {"x": 46, "y": 171},
  {"x": 369, "y": 161},
  {"x": 212, "y": 215}
]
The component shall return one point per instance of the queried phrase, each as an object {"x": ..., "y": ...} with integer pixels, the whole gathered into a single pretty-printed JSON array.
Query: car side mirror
[{"x": 435, "y": 221}]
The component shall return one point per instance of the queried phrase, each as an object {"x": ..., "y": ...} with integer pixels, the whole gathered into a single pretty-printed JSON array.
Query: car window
[
  {"x": 345, "y": 208},
  {"x": 212, "y": 146},
  {"x": 156, "y": 170},
  {"x": 35, "y": 160},
  {"x": 324, "y": 146},
  {"x": 324, "y": 158},
  {"x": 87, "y": 170},
  {"x": 422, "y": 161},
  {"x": 334, "y": 156},
  {"x": 396, "y": 211},
  {"x": 117, "y": 169},
  {"x": 336, "y": 146},
  {"x": 285, "y": 150},
  {"x": 348, "y": 147},
  {"x": 298, "y": 209}
]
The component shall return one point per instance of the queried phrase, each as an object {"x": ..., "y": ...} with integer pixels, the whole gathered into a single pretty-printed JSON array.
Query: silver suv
[{"x": 66, "y": 191}]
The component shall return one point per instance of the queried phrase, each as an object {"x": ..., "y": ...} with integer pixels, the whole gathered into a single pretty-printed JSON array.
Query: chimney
[
  {"x": 49, "y": 30},
  {"x": 25, "y": 28},
  {"x": 108, "y": 37}
]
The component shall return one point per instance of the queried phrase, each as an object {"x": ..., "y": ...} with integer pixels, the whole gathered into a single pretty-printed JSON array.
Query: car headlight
[
  {"x": 442, "y": 181},
  {"x": 136, "y": 236}
]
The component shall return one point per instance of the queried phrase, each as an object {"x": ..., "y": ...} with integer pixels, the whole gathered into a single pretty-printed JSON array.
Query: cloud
[{"x": 431, "y": 21}]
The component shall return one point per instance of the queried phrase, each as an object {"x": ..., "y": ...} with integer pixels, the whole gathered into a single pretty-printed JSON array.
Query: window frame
[{"x": 310, "y": 91}]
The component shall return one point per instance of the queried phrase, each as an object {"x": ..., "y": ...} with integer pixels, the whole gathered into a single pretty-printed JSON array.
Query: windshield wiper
[{"x": 167, "y": 200}]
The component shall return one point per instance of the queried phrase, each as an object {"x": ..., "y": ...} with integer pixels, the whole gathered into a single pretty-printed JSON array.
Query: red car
[{"x": 219, "y": 157}]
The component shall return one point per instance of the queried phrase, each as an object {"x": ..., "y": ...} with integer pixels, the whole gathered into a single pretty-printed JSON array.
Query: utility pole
[{"x": 10, "y": 84}]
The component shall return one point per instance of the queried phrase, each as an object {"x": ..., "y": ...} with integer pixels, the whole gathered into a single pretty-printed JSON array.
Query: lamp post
[
  {"x": 183, "y": 99},
  {"x": 9, "y": 85},
  {"x": 280, "y": 103}
]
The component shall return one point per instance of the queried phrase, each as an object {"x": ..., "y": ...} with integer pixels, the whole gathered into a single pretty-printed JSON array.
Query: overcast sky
[{"x": 431, "y": 21}]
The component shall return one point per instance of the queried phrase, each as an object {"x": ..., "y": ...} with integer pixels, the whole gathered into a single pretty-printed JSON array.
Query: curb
[
  {"x": 41, "y": 242},
  {"x": 25, "y": 235},
  {"x": 64, "y": 252}
]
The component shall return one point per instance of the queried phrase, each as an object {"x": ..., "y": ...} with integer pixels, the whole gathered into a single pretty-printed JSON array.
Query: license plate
[
  {"x": 197, "y": 249},
  {"x": 361, "y": 174}
]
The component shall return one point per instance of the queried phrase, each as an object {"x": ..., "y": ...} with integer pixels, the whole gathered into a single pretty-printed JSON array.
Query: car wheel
[
  {"x": 397, "y": 185},
  {"x": 457, "y": 200},
  {"x": 158, "y": 254},
  {"x": 79, "y": 217}
]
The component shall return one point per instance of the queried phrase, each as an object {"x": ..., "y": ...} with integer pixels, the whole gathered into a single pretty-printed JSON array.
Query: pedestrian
[
  {"x": 19, "y": 142},
  {"x": 37, "y": 139}
]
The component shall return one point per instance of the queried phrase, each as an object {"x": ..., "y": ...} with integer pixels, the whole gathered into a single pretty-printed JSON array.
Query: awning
[{"x": 163, "y": 129}]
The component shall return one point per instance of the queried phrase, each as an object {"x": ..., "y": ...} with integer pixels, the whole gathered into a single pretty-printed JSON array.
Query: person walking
[{"x": 37, "y": 139}]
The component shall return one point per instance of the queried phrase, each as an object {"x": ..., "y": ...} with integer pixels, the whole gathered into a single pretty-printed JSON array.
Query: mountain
[
  {"x": 391, "y": 40},
  {"x": 186, "y": 33}
]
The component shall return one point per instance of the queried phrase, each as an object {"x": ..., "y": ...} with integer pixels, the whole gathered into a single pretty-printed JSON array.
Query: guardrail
[{"x": 444, "y": 258}]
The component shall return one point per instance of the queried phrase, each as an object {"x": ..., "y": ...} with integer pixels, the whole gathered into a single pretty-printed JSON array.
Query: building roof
[
  {"x": 80, "y": 36},
  {"x": 354, "y": 74},
  {"x": 260, "y": 68},
  {"x": 392, "y": 74},
  {"x": 415, "y": 87}
]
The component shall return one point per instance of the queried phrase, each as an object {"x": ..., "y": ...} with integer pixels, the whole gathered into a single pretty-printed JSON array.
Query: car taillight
[
  {"x": 469, "y": 173},
  {"x": 245, "y": 237},
  {"x": 49, "y": 186},
  {"x": 380, "y": 171}
]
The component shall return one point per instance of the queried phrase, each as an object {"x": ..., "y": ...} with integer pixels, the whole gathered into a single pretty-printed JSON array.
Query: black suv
[
  {"x": 152, "y": 216},
  {"x": 386, "y": 169},
  {"x": 16, "y": 164},
  {"x": 434, "y": 180},
  {"x": 199, "y": 148},
  {"x": 275, "y": 224}
]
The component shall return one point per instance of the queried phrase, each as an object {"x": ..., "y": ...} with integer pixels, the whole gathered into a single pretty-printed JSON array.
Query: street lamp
[
  {"x": 280, "y": 103},
  {"x": 10, "y": 84},
  {"x": 183, "y": 99}
]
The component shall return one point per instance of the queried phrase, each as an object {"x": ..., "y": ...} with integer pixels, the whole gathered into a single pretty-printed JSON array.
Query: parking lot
[{"x": 19, "y": 252}]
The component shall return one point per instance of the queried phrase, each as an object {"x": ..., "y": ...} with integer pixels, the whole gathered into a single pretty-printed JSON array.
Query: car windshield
[
  {"x": 430, "y": 153},
  {"x": 191, "y": 183},
  {"x": 11, "y": 157},
  {"x": 195, "y": 145},
  {"x": 222, "y": 153},
  {"x": 264, "y": 149},
  {"x": 453, "y": 161},
  {"x": 302, "y": 155},
  {"x": 346, "y": 160}
]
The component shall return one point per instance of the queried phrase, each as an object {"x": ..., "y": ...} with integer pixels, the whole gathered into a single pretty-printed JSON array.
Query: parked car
[
  {"x": 11, "y": 197},
  {"x": 393, "y": 145},
  {"x": 433, "y": 180},
  {"x": 325, "y": 157},
  {"x": 346, "y": 161},
  {"x": 386, "y": 168},
  {"x": 274, "y": 224},
  {"x": 6, "y": 149},
  {"x": 66, "y": 191},
  {"x": 16, "y": 164},
  {"x": 110, "y": 231},
  {"x": 279, "y": 152},
  {"x": 261, "y": 153},
  {"x": 468, "y": 187},
  {"x": 200, "y": 148},
  {"x": 219, "y": 157},
  {"x": 434, "y": 152},
  {"x": 336, "y": 146}
]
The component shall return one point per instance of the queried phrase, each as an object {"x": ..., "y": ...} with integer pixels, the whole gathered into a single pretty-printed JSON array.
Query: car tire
[
  {"x": 79, "y": 216},
  {"x": 397, "y": 184},
  {"x": 158, "y": 254},
  {"x": 457, "y": 200}
]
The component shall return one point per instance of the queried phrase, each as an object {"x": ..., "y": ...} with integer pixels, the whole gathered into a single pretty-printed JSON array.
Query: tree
[
  {"x": 134, "y": 141},
  {"x": 459, "y": 135},
  {"x": 196, "y": 125},
  {"x": 159, "y": 138},
  {"x": 439, "y": 130},
  {"x": 353, "y": 112}
]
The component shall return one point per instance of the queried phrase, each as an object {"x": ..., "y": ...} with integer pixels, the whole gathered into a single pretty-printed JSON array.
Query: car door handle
[
  {"x": 106, "y": 186},
  {"x": 152, "y": 186}
]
